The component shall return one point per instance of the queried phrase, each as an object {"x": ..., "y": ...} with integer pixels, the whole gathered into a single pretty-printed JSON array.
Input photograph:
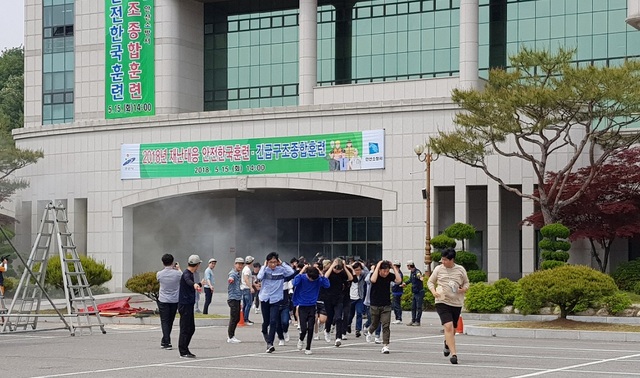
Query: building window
[
  {"x": 358, "y": 237},
  {"x": 58, "y": 61}
]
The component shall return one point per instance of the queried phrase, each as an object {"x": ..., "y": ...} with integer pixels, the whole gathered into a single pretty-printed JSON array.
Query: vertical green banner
[{"x": 130, "y": 58}]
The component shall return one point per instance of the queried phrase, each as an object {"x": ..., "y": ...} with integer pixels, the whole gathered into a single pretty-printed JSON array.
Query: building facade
[{"x": 164, "y": 75}]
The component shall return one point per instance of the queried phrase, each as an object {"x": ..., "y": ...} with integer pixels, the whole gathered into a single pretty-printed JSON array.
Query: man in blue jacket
[
  {"x": 417, "y": 292},
  {"x": 307, "y": 286}
]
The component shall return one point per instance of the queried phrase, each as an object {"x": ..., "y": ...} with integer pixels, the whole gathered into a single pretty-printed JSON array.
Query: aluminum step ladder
[{"x": 81, "y": 309}]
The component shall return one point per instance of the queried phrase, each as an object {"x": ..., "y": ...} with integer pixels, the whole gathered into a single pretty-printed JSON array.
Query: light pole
[{"x": 424, "y": 155}]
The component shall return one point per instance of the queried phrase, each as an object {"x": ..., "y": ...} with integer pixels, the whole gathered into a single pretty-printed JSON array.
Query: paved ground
[{"x": 130, "y": 350}]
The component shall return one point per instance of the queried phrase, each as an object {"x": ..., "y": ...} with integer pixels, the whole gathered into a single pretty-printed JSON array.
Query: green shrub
[
  {"x": 442, "y": 242},
  {"x": 145, "y": 284},
  {"x": 407, "y": 296},
  {"x": 482, "y": 297},
  {"x": 556, "y": 230},
  {"x": 627, "y": 275},
  {"x": 570, "y": 287},
  {"x": 10, "y": 283},
  {"x": 97, "y": 273},
  {"x": 553, "y": 250},
  {"x": 506, "y": 289},
  {"x": 477, "y": 276},
  {"x": 616, "y": 303},
  {"x": 550, "y": 264},
  {"x": 467, "y": 259},
  {"x": 461, "y": 231},
  {"x": 636, "y": 288}
]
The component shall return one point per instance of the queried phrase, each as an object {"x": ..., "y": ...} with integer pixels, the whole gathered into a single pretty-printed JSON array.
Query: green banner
[
  {"x": 305, "y": 153},
  {"x": 130, "y": 60}
]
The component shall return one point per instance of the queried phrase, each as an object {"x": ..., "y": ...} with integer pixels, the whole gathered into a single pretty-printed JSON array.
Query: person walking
[
  {"x": 338, "y": 277},
  {"x": 272, "y": 275},
  {"x": 234, "y": 295},
  {"x": 208, "y": 285},
  {"x": 186, "y": 302},
  {"x": 396, "y": 292},
  {"x": 448, "y": 284},
  {"x": 247, "y": 289},
  {"x": 417, "y": 293},
  {"x": 168, "y": 297},
  {"x": 307, "y": 286},
  {"x": 381, "y": 279}
]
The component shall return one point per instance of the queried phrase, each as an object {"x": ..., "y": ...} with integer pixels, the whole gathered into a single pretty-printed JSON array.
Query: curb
[{"x": 552, "y": 334}]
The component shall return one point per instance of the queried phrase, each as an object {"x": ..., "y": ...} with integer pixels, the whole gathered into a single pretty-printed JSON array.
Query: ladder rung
[
  {"x": 71, "y": 260},
  {"x": 68, "y": 247}
]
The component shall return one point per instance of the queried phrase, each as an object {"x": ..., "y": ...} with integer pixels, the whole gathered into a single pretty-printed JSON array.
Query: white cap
[{"x": 194, "y": 259}]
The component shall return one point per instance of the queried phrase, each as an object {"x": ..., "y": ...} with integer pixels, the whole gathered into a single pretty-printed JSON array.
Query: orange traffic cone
[
  {"x": 241, "y": 322},
  {"x": 460, "y": 327}
]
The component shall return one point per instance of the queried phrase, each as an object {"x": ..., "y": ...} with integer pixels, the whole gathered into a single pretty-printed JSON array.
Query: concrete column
[
  {"x": 468, "y": 44},
  {"x": 308, "y": 76},
  {"x": 493, "y": 231},
  {"x": 633, "y": 13},
  {"x": 528, "y": 232}
]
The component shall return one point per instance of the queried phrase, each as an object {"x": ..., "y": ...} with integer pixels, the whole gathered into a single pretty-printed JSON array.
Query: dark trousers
[
  {"x": 208, "y": 296},
  {"x": 334, "y": 316},
  {"x": 397, "y": 306},
  {"x": 167, "y": 316},
  {"x": 234, "y": 316},
  {"x": 357, "y": 310},
  {"x": 187, "y": 327},
  {"x": 270, "y": 319},
  {"x": 416, "y": 306},
  {"x": 307, "y": 320}
]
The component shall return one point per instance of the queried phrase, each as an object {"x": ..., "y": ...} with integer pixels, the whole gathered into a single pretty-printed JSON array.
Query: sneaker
[
  {"x": 338, "y": 342},
  {"x": 308, "y": 352},
  {"x": 411, "y": 324},
  {"x": 300, "y": 345},
  {"x": 270, "y": 349},
  {"x": 198, "y": 312},
  {"x": 233, "y": 340},
  {"x": 397, "y": 322},
  {"x": 316, "y": 336},
  {"x": 257, "y": 311},
  {"x": 281, "y": 343},
  {"x": 248, "y": 322},
  {"x": 298, "y": 327},
  {"x": 327, "y": 336},
  {"x": 188, "y": 355},
  {"x": 286, "y": 337},
  {"x": 378, "y": 340},
  {"x": 344, "y": 337},
  {"x": 368, "y": 336},
  {"x": 454, "y": 359},
  {"x": 166, "y": 347},
  {"x": 446, "y": 350},
  {"x": 385, "y": 350},
  {"x": 357, "y": 333}
]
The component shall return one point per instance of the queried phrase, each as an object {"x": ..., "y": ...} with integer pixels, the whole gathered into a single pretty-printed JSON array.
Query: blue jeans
[
  {"x": 416, "y": 306},
  {"x": 357, "y": 310},
  {"x": 284, "y": 316},
  {"x": 397, "y": 306},
  {"x": 246, "y": 303}
]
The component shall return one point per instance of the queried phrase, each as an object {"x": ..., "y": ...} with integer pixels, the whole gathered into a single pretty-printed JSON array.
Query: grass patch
[
  {"x": 566, "y": 324},
  {"x": 635, "y": 298}
]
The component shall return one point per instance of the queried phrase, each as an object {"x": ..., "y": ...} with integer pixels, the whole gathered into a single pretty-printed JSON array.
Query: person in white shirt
[
  {"x": 247, "y": 289},
  {"x": 208, "y": 285}
]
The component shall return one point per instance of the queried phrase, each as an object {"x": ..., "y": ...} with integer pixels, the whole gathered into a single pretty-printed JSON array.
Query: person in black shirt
[
  {"x": 186, "y": 301},
  {"x": 339, "y": 277},
  {"x": 381, "y": 279}
]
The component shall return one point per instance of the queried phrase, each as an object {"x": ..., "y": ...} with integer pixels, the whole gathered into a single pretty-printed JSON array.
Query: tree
[
  {"x": 608, "y": 210},
  {"x": 544, "y": 105},
  {"x": 11, "y": 88},
  {"x": 461, "y": 231}
]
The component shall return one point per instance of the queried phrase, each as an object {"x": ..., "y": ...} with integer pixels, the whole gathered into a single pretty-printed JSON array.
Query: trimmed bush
[
  {"x": 477, "y": 276},
  {"x": 570, "y": 287},
  {"x": 550, "y": 264},
  {"x": 636, "y": 288},
  {"x": 467, "y": 259},
  {"x": 145, "y": 284},
  {"x": 616, "y": 303},
  {"x": 461, "y": 231},
  {"x": 482, "y": 297},
  {"x": 553, "y": 249},
  {"x": 442, "y": 241},
  {"x": 556, "y": 230},
  {"x": 97, "y": 273},
  {"x": 407, "y": 296},
  {"x": 507, "y": 289},
  {"x": 627, "y": 275}
]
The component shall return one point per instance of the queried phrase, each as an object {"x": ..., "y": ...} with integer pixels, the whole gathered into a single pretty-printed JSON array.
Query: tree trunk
[{"x": 595, "y": 255}]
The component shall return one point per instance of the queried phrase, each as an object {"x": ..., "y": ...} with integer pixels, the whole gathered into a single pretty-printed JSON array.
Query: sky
[{"x": 12, "y": 21}]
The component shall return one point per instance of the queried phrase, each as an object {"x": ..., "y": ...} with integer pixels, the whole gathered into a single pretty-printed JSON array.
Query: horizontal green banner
[{"x": 307, "y": 153}]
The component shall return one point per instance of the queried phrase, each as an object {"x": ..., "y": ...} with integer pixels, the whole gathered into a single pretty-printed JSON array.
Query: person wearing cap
[
  {"x": 208, "y": 285},
  {"x": 168, "y": 296},
  {"x": 234, "y": 295},
  {"x": 247, "y": 289},
  {"x": 396, "y": 293},
  {"x": 186, "y": 302},
  {"x": 417, "y": 292}
]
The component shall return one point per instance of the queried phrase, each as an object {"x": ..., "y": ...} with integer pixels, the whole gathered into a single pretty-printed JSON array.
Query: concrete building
[{"x": 158, "y": 76}]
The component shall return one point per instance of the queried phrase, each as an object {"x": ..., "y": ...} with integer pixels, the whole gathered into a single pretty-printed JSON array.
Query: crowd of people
[{"x": 323, "y": 297}]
